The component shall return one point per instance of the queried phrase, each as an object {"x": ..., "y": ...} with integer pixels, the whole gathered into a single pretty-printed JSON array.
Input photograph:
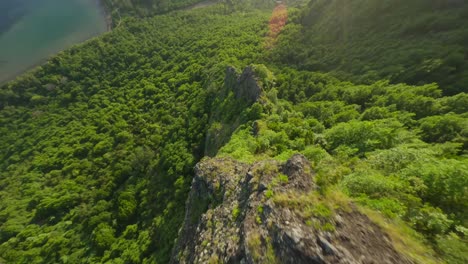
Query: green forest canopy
[
  {"x": 415, "y": 42},
  {"x": 143, "y": 8},
  {"x": 98, "y": 144}
]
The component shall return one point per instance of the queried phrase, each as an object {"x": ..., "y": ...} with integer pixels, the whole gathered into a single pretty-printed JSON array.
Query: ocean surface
[{"x": 33, "y": 30}]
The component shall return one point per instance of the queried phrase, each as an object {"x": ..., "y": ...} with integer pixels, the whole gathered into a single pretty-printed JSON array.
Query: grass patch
[
  {"x": 404, "y": 239},
  {"x": 254, "y": 244},
  {"x": 235, "y": 213},
  {"x": 315, "y": 209},
  {"x": 258, "y": 251},
  {"x": 270, "y": 256},
  {"x": 283, "y": 179},
  {"x": 214, "y": 259}
]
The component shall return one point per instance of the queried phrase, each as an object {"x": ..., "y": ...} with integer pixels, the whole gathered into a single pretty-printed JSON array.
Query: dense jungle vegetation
[
  {"x": 415, "y": 42},
  {"x": 143, "y": 8},
  {"x": 98, "y": 145}
]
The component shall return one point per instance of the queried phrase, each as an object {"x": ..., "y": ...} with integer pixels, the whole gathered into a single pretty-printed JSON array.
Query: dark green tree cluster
[
  {"x": 415, "y": 42},
  {"x": 98, "y": 145}
]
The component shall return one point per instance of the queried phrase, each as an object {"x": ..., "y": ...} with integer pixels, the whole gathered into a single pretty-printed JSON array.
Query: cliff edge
[{"x": 272, "y": 212}]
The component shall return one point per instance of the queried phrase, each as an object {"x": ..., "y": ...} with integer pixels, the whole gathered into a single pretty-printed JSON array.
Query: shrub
[
  {"x": 443, "y": 128},
  {"x": 364, "y": 135},
  {"x": 103, "y": 236},
  {"x": 374, "y": 185}
]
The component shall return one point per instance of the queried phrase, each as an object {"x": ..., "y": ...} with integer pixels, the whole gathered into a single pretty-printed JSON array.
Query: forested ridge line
[
  {"x": 99, "y": 144},
  {"x": 415, "y": 42}
]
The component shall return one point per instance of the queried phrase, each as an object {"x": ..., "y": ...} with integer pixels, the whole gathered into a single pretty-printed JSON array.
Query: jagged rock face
[
  {"x": 246, "y": 90},
  {"x": 233, "y": 217},
  {"x": 230, "y": 79},
  {"x": 245, "y": 86}
]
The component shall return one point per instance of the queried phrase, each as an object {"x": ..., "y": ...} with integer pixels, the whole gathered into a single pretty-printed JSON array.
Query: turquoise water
[{"x": 44, "y": 28}]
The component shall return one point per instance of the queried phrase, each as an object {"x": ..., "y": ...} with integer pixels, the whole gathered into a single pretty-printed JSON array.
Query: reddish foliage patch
[{"x": 277, "y": 22}]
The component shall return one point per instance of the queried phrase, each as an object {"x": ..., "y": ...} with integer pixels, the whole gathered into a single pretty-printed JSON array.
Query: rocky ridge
[
  {"x": 271, "y": 212},
  {"x": 246, "y": 90}
]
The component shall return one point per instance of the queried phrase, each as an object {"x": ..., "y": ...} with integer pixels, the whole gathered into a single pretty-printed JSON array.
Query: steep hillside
[
  {"x": 270, "y": 212},
  {"x": 378, "y": 144},
  {"x": 415, "y": 42},
  {"x": 99, "y": 145}
]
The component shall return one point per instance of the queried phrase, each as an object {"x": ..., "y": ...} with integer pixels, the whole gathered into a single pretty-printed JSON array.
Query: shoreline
[
  {"x": 106, "y": 16},
  {"x": 105, "y": 13},
  {"x": 31, "y": 69}
]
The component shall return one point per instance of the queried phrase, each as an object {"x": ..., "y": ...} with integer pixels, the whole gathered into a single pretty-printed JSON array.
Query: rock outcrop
[
  {"x": 265, "y": 213},
  {"x": 245, "y": 86},
  {"x": 225, "y": 119}
]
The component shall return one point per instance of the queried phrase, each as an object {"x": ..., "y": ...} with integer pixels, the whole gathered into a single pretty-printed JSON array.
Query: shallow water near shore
[{"x": 34, "y": 30}]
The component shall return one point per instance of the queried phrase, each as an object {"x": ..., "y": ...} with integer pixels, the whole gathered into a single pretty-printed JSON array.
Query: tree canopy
[{"x": 99, "y": 143}]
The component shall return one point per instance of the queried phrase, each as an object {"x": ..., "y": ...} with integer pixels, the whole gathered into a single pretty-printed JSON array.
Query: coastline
[
  {"x": 106, "y": 18},
  {"x": 34, "y": 67},
  {"x": 28, "y": 70},
  {"x": 105, "y": 12}
]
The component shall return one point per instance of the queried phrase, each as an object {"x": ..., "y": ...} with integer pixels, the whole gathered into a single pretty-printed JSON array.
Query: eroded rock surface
[
  {"x": 240, "y": 213},
  {"x": 245, "y": 86}
]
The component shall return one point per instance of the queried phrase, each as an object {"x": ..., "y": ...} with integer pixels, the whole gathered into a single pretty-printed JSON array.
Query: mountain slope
[
  {"x": 368, "y": 142},
  {"x": 246, "y": 224},
  {"x": 99, "y": 145},
  {"x": 415, "y": 42}
]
